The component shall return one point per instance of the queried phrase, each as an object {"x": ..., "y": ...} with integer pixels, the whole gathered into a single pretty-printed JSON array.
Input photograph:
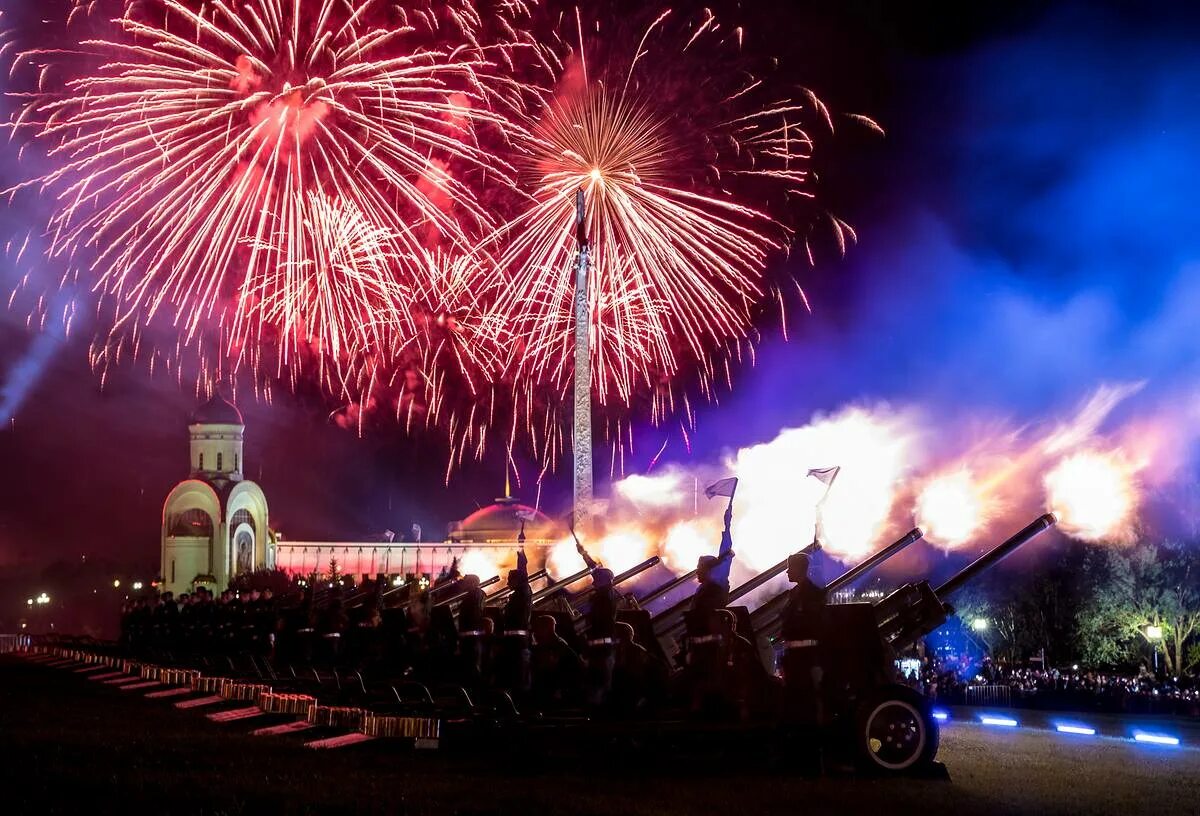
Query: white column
[{"x": 581, "y": 440}]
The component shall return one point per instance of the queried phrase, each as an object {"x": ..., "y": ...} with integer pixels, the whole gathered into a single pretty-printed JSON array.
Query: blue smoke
[
  {"x": 25, "y": 373},
  {"x": 1040, "y": 235}
]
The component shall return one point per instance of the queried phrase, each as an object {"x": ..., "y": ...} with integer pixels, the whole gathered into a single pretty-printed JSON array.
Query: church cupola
[{"x": 216, "y": 429}]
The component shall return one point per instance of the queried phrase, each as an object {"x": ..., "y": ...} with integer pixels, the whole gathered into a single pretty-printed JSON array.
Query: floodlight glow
[
  {"x": 1155, "y": 739},
  {"x": 1154, "y": 632},
  {"x": 941, "y": 715},
  {"x": 1076, "y": 729},
  {"x": 137, "y": 584},
  {"x": 979, "y": 624},
  {"x": 1007, "y": 722}
]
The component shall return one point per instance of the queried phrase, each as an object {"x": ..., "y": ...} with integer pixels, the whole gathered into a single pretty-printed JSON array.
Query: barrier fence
[
  {"x": 13, "y": 643},
  {"x": 989, "y": 695}
]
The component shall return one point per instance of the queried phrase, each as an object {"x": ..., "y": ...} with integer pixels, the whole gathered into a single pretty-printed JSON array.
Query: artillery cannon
[
  {"x": 890, "y": 727},
  {"x": 886, "y": 726}
]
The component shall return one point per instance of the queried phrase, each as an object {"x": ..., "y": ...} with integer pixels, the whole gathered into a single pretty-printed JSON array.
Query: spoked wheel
[{"x": 895, "y": 731}]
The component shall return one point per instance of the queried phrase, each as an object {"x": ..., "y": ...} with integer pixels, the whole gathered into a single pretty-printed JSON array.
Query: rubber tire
[{"x": 916, "y": 703}]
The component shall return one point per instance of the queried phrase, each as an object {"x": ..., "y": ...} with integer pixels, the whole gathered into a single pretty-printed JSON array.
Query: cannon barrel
[
  {"x": 438, "y": 589},
  {"x": 556, "y": 586},
  {"x": 851, "y": 575},
  {"x": 763, "y": 577},
  {"x": 636, "y": 569},
  {"x": 495, "y": 579},
  {"x": 501, "y": 594},
  {"x": 915, "y": 610},
  {"x": 633, "y": 571},
  {"x": 996, "y": 554},
  {"x": 663, "y": 589}
]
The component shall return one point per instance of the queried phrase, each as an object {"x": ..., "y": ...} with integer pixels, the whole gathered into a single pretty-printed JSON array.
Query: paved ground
[{"x": 73, "y": 746}]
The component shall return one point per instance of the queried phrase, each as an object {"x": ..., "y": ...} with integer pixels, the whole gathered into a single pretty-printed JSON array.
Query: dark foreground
[{"x": 72, "y": 746}]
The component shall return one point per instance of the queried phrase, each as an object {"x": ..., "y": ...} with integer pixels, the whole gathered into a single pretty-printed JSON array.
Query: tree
[
  {"x": 1134, "y": 589},
  {"x": 1029, "y": 609},
  {"x": 1015, "y": 620}
]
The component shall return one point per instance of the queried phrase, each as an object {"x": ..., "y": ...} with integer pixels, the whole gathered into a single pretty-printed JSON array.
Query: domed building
[
  {"x": 503, "y": 522},
  {"x": 214, "y": 523}
]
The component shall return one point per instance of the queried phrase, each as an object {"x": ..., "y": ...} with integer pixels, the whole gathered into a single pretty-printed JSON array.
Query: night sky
[{"x": 1028, "y": 229}]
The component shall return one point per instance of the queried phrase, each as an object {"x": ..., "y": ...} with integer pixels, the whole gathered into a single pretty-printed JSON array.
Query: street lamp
[
  {"x": 116, "y": 583},
  {"x": 1154, "y": 634},
  {"x": 137, "y": 585},
  {"x": 43, "y": 598}
]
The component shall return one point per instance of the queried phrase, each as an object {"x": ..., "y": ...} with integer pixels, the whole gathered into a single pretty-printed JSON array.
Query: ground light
[
  {"x": 1007, "y": 722},
  {"x": 939, "y": 714},
  {"x": 1155, "y": 739},
  {"x": 1067, "y": 728}
]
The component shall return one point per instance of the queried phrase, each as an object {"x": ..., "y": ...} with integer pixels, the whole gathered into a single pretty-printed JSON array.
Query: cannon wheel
[{"x": 894, "y": 731}]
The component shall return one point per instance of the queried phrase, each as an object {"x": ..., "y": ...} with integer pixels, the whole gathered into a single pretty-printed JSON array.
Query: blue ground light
[{"x": 1071, "y": 727}]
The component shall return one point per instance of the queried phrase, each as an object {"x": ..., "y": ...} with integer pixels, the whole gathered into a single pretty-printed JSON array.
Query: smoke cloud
[{"x": 1026, "y": 301}]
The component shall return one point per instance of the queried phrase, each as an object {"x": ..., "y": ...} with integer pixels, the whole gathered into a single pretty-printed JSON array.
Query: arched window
[
  {"x": 218, "y": 463},
  {"x": 202, "y": 461}
]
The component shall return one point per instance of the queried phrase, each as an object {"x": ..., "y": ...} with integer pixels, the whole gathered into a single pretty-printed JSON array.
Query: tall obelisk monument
[{"x": 581, "y": 438}]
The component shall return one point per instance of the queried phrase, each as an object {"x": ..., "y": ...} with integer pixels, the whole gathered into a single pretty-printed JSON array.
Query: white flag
[{"x": 825, "y": 475}]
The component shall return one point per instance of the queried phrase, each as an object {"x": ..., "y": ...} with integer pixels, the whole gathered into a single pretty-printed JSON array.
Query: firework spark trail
[
  {"x": 676, "y": 270},
  {"x": 199, "y": 154},
  {"x": 667, "y": 264},
  {"x": 292, "y": 188},
  {"x": 341, "y": 303},
  {"x": 679, "y": 258},
  {"x": 447, "y": 365}
]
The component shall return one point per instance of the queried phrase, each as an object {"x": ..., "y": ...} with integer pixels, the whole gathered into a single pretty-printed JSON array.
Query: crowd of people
[
  {"x": 594, "y": 647},
  {"x": 1066, "y": 689}
]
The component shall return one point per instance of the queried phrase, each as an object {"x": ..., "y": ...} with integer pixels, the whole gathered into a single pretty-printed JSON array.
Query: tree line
[{"x": 1105, "y": 608}]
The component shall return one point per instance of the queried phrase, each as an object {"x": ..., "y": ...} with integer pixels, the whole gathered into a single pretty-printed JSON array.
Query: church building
[{"x": 214, "y": 523}]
